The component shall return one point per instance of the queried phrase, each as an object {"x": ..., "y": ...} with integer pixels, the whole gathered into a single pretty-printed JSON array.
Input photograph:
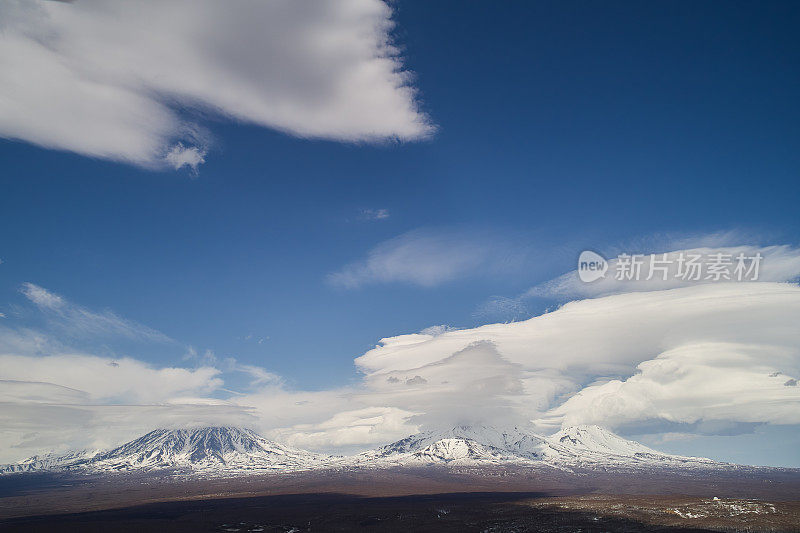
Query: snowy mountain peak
[
  {"x": 597, "y": 440},
  {"x": 461, "y": 444},
  {"x": 229, "y": 450},
  {"x": 207, "y": 448},
  {"x": 195, "y": 445},
  {"x": 232, "y": 451},
  {"x": 485, "y": 435},
  {"x": 575, "y": 447}
]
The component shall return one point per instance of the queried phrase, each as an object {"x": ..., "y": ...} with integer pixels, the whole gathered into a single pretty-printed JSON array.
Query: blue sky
[{"x": 559, "y": 127}]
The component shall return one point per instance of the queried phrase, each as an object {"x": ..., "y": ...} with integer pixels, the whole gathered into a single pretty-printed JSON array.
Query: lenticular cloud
[
  {"x": 703, "y": 358},
  {"x": 720, "y": 352}
]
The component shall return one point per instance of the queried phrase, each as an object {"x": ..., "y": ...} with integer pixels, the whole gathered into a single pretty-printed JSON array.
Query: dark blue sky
[{"x": 563, "y": 125}]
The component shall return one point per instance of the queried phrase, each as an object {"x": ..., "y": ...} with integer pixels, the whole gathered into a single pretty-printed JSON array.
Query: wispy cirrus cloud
[
  {"x": 671, "y": 253},
  {"x": 83, "y": 77},
  {"x": 76, "y": 320},
  {"x": 775, "y": 263},
  {"x": 430, "y": 257},
  {"x": 374, "y": 214}
]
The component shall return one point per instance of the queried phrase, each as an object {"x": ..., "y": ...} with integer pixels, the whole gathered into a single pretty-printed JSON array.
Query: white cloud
[
  {"x": 181, "y": 156},
  {"x": 627, "y": 361},
  {"x": 350, "y": 430},
  {"x": 718, "y": 381},
  {"x": 428, "y": 258},
  {"x": 474, "y": 384},
  {"x": 709, "y": 357},
  {"x": 208, "y": 358},
  {"x": 77, "y": 400},
  {"x": 28, "y": 428},
  {"x": 41, "y": 296},
  {"x": 54, "y": 396},
  {"x": 73, "y": 400},
  {"x": 260, "y": 376},
  {"x": 729, "y": 332},
  {"x": 107, "y": 379},
  {"x": 374, "y": 214},
  {"x": 437, "y": 329},
  {"x": 76, "y": 320},
  {"x": 502, "y": 308},
  {"x": 84, "y": 76},
  {"x": 778, "y": 263}
]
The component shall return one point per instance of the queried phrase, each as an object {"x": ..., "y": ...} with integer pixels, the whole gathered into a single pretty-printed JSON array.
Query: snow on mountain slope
[
  {"x": 213, "y": 450},
  {"x": 594, "y": 439},
  {"x": 593, "y": 446},
  {"x": 230, "y": 451},
  {"x": 511, "y": 440},
  {"x": 49, "y": 461},
  {"x": 576, "y": 447},
  {"x": 459, "y": 445}
]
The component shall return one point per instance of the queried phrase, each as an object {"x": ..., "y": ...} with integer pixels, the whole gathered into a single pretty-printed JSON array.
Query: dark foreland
[{"x": 404, "y": 499}]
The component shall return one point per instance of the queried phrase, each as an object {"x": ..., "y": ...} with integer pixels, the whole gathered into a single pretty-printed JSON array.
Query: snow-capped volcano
[
  {"x": 460, "y": 444},
  {"x": 575, "y": 447},
  {"x": 593, "y": 442},
  {"x": 594, "y": 439},
  {"x": 202, "y": 450},
  {"x": 593, "y": 446},
  {"x": 206, "y": 448},
  {"x": 230, "y": 451}
]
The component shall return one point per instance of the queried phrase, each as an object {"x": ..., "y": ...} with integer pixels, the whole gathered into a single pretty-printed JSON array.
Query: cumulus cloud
[
  {"x": 85, "y": 77},
  {"x": 430, "y": 257}
]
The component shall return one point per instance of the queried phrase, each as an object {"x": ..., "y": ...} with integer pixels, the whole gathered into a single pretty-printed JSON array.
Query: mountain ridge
[
  {"x": 576, "y": 447},
  {"x": 230, "y": 450}
]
